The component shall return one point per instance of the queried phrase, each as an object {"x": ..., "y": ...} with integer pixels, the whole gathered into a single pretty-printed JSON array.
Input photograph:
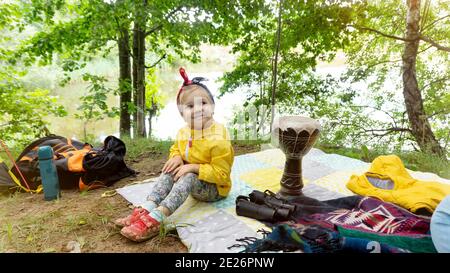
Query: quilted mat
[{"x": 214, "y": 227}]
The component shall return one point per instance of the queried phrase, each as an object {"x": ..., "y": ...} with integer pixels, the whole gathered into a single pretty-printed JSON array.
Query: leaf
[{"x": 30, "y": 238}]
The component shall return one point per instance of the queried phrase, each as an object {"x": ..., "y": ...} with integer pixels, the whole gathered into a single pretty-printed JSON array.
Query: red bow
[
  {"x": 185, "y": 77},
  {"x": 186, "y": 81}
]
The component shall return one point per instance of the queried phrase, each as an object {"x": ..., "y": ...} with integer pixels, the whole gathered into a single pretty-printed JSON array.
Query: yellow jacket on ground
[
  {"x": 211, "y": 149},
  {"x": 388, "y": 180}
]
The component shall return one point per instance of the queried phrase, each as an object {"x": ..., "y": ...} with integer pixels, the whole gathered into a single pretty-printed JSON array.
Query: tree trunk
[
  {"x": 124, "y": 82},
  {"x": 135, "y": 69},
  {"x": 85, "y": 131},
  {"x": 151, "y": 114},
  {"x": 418, "y": 119},
  {"x": 139, "y": 67},
  {"x": 275, "y": 63},
  {"x": 150, "y": 117},
  {"x": 140, "y": 121}
]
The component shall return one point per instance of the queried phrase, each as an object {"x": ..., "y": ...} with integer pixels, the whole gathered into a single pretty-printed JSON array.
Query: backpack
[
  {"x": 6, "y": 178},
  {"x": 78, "y": 164}
]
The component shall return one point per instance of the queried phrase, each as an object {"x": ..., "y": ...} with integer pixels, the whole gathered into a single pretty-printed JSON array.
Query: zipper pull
[{"x": 190, "y": 142}]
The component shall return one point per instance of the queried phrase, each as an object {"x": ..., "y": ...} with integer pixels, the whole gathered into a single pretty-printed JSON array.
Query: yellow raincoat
[
  {"x": 388, "y": 180},
  {"x": 211, "y": 149}
]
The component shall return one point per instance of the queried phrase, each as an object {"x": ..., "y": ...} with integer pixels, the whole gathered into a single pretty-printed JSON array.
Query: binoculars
[{"x": 264, "y": 206}]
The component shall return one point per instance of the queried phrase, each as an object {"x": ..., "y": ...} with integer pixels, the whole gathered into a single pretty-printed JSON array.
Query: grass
[
  {"x": 9, "y": 230},
  {"x": 141, "y": 146},
  {"x": 135, "y": 148},
  {"x": 167, "y": 229},
  {"x": 37, "y": 232},
  {"x": 416, "y": 161},
  {"x": 413, "y": 160},
  {"x": 250, "y": 142}
]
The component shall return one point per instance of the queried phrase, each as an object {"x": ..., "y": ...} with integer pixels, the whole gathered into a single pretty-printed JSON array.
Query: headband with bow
[{"x": 196, "y": 80}]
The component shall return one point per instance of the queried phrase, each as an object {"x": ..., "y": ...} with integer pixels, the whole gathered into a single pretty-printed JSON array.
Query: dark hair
[{"x": 197, "y": 81}]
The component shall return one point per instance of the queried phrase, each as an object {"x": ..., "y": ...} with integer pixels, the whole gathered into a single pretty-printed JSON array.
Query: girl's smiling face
[{"x": 197, "y": 107}]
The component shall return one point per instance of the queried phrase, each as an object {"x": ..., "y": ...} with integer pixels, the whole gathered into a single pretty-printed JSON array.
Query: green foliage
[
  {"x": 9, "y": 13},
  {"x": 414, "y": 160},
  {"x": 364, "y": 152},
  {"x": 249, "y": 123},
  {"x": 24, "y": 108},
  {"x": 311, "y": 31},
  {"x": 155, "y": 99},
  {"x": 62, "y": 30},
  {"x": 363, "y": 107},
  {"x": 71, "y": 33},
  {"x": 138, "y": 147},
  {"x": 23, "y": 113},
  {"x": 93, "y": 105},
  {"x": 173, "y": 28},
  {"x": 376, "y": 60}
]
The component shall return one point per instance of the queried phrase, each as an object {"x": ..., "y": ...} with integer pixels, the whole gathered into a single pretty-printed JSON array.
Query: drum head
[{"x": 297, "y": 123}]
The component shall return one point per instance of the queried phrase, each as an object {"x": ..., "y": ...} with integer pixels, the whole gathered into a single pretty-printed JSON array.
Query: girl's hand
[
  {"x": 182, "y": 170},
  {"x": 172, "y": 164}
]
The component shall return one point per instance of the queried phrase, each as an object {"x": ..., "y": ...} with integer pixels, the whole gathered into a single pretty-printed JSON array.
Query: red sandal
[
  {"x": 143, "y": 229},
  {"x": 133, "y": 217}
]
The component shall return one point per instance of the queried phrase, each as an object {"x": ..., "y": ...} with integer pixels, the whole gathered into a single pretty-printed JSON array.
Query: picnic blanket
[{"x": 214, "y": 227}]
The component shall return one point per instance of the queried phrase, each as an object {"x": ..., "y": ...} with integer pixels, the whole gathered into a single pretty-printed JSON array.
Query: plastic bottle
[{"x": 49, "y": 175}]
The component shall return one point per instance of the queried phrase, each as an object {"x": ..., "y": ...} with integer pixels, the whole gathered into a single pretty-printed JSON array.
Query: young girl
[{"x": 199, "y": 163}]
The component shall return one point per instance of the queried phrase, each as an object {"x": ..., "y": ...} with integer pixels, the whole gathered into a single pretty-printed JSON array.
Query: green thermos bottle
[{"x": 49, "y": 175}]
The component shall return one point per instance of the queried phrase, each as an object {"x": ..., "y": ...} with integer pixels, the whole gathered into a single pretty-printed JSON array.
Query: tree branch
[
  {"x": 158, "y": 27},
  {"x": 386, "y": 131},
  {"x": 377, "y": 109},
  {"x": 435, "y": 81},
  {"x": 434, "y": 22},
  {"x": 394, "y": 61},
  {"x": 418, "y": 52},
  {"x": 157, "y": 62},
  {"x": 173, "y": 12},
  {"x": 438, "y": 113},
  {"x": 383, "y": 62},
  {"x": 389, "y": 130},
  {"x": 414, "y": 147},
  {"x": 122, "y": 35},
  {"x": 381, "y": 33},
  {"x": 438, "y": 46}
]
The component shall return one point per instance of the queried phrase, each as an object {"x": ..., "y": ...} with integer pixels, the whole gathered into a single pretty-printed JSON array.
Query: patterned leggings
[{"x": 172, "y": 195}]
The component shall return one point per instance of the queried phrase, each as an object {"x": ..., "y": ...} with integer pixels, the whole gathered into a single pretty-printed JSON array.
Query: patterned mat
[{"x": 214, "y": 227}]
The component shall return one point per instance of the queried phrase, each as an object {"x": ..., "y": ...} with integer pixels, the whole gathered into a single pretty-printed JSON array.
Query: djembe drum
[{"x": 296, "y": 136}]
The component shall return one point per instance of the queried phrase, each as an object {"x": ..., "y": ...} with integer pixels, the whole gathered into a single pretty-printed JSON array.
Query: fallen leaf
[{"x": 73, "y": 247}]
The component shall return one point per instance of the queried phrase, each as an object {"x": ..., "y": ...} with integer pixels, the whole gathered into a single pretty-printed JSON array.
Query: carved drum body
[{"x": 295, "y": 136}]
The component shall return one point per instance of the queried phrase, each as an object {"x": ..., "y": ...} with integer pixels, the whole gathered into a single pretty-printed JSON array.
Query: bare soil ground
[{"x": 30, "y": 224}]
